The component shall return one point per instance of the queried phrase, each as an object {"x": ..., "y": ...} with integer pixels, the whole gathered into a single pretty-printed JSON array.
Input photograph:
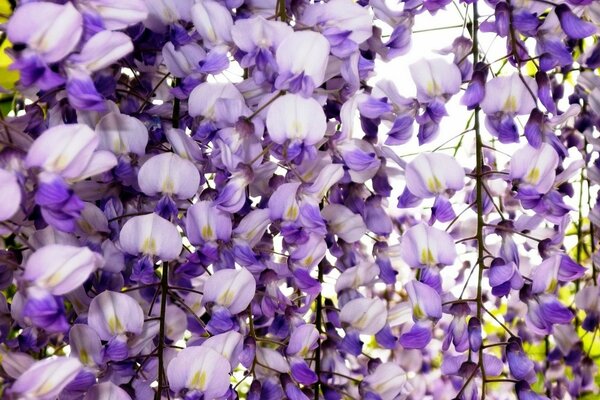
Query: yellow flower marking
[
  {"x": 54, "y": 279},
  {"x": 84, "y": 357},
  {"x": 61, "y": 162},
  {"x": 510, "y": 105},
  {"x": 417, "y": 312},
  {"x": 292, "y": 212},
  {"x": 168, "y": 186},
  {"x": 533, "y": 176},
  {"x": 118, "y": 146},
  {"x": 432, "y": 88},
  {"x": 361, "y": 322},
  {"x": 434, "y": 185},
  {"x": 149, "y": 246},
  {"x": 207, "y": 232},
  {"x": 115, "y": 325},
  {"x": 427, "y": 257},
  {"x": 296, "y": 131},
  {"x": 552, "y": 286},
  {"x": 198, "y": 380},
  {"x": 226, "y": 298}
]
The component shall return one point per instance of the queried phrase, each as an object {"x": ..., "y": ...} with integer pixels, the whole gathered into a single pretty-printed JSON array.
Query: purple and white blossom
[
  {"x": 60, "y": 269},
  {"x": 505, "y": 98},
  {"x": 151, "y": 235},
  {"x": 302, "y": 61},
  {"x": 230, "y": 288},
  {"x": 196, "y": 199},
  {"x": 45, "y": 379},
  {"x": 297, "y": 119},
  {"x": 535, "y": 168},
  {"x": 112, "y": 314},
  {"x": 200, "y": 369},
  {"x": 426, "y": 246}
]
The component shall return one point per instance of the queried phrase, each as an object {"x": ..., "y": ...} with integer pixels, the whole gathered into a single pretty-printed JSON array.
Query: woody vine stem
[{"x": 479, "y": 198}]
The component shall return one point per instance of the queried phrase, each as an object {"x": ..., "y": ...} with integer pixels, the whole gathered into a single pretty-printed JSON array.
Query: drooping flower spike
[{"x": 197, "y": 199}]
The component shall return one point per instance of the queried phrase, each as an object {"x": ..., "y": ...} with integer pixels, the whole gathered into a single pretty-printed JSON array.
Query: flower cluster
[{"x": 223, "y": 199}]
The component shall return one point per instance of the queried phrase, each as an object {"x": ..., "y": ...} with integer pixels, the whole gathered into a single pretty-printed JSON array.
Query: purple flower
[
  {"x": 220, "y": 103},
  {"x": 112, "y": 314},
  {"x": 504, "y": 276},
  {"x": 521, "y": 367},
  {"x": 426, "y": 246},
  {"x": 362, "y": 274},
  {"x": 199, "y": 369},
  {"x": 60, "y": 269},
  {"x": 229, "y": 345},
  {"x": 432, "y": 174},
  {"x": 347, "y": 225},
  {"x": 45, "y": 379},
  {"x": 367, "y": 316},
  {"x": 116, "y": 14},
  {"x": 302, "y": 340},
  {"x": 50, "y": 30},
  {"x": 587, "y": 299},
  {"x": 302, "y": 59},
  {"x": 557, "y": 268},
  {"x": 70, "y": 151},
  {"x": 106, "y": 390},
  {"x": 85, "y": 344},
  {"x": 544, "y": 312},
  {"x": 151, "y": 235},
  {"x": 10, "y": 195},
  {"x": 207, "y": 223},
  {"x": 535, "y": 168},
  {"x": 426, "y": 302},
  {"x": 297, "y": 119},
  {"x": 102, "y": 50},
  {"x": 573, "y": 26},
  {"x": 169, "y": 175},
  {"x": 505, "y": 98},
  {"x": 122, "y": 134},
  {"x": 344, "y": 23},
  {"x": 435, "y": 78},
  {"x": 361, "y": 159},
  {"x": 213, "y": 22},
  {"x": 230, "y": 288},
  {"x": 387, "y": 381},
  {"x": 259, "y": 38}
]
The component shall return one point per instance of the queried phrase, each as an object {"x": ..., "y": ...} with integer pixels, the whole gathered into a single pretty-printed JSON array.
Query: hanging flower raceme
[{"x": 195, "y": 199}]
